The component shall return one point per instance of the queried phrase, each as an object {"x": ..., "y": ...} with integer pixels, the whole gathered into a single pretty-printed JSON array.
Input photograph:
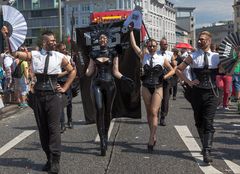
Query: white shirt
[
  {"x": 7, "y": 60},
  {"x": 198, "y": 59},
  {"x": 167, "y": 55},
  {"x": 55, "y": 61},
  {"x": 157, "y": 59}
]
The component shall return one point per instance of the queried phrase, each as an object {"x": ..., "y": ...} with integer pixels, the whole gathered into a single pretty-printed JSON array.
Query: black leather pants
[{"x": 104, "y": 93}]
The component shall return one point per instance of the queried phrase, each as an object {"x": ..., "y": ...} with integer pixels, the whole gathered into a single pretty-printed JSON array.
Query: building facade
[
  {"x": 218, "y": 30},
  {"x": 159, "y": 21},
  {"x": 40, "y": 15},
  {"x": 236, "y": 9},
  {"x": 185, "y": 19}
]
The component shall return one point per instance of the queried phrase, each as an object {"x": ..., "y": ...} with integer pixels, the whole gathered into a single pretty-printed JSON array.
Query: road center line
[
  {"x": 97, "y": 139},
  {"x": 234, "y": 167},
  {"x": 195, "y": 150},
  {"x": 15, "y": 141}
]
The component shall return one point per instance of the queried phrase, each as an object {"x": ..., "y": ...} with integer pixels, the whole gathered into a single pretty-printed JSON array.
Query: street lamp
[{"x": 60, "y": 18}]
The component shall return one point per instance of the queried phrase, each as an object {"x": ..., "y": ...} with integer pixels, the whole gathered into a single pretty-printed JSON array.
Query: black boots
[
  {"x": 103, "y": 145},
  {"x": 162, "y": 121},
  {"x": 52, "y": 165},
  {"x": 207, "y": 146}
]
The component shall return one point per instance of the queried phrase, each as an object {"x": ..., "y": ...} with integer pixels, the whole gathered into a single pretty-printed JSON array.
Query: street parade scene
[{"x": 120, "y": 87}]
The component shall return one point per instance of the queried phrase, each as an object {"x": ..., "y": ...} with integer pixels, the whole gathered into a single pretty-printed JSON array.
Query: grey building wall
[
  {"x": 39, "y": 16},
  {"x": 218, "y": 31}
]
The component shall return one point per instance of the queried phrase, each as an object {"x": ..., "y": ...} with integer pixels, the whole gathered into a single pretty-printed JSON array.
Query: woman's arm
[
  {"x": 137, "y": 50},
  {"x": 90, "y": 68},
  {"x": 116, "y": 72},
  {"x": 71, "y": 75}
]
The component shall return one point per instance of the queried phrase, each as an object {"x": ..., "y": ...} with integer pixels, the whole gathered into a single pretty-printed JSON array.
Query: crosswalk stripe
[
  {"x": 97, "y": 139},
  {"x": 234, "y": 167},
  {"x": 195, "y": 150},
  {"x": 15, "y": 141}
]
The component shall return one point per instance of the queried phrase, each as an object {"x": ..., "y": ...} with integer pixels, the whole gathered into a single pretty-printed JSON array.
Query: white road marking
[
  {"x": 195, "y": 150},
  {"x": 15, "y": 141},
  {"x": 234, "y": 167},
  {"x": 237, "y": 125},
  {"x": 97, "y": 139}
]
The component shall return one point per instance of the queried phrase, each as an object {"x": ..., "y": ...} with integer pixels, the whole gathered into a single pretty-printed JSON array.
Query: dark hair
[
  {"x": 48, "y": 33},
  {"x": 175, "y": 50}
]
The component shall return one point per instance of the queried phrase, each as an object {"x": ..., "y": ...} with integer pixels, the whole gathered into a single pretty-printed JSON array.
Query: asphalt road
[{"x": 176, "y": 152}]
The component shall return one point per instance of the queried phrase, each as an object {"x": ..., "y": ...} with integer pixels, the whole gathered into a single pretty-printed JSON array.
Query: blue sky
[{"x": 208, "y": 11}]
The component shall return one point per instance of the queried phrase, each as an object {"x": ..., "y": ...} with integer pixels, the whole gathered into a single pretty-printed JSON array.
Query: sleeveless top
[
  {"x": 46, "y": 82},
  {"x": 207, "y": 77}
]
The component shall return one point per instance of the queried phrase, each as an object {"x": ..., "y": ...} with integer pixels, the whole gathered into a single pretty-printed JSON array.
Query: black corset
[
  {"x": 206, "y": 77},
  {"x": 152, "y": 76},
  {"x": 104, "y": 70},
  {"x": 46, "y": 82}
]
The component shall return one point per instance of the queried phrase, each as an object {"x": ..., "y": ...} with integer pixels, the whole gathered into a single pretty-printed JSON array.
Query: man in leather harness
[
  {"x": 204, "y": 99},
  {"x": 46, "y": 65}
]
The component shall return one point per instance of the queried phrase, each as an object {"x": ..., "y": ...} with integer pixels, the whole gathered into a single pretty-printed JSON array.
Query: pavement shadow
[
  {"x": 132, "y": 148},
  {"x": 21, "y": 163},
  {"x": 82, "y": 148},
  {"x": 26, "y": 128}
]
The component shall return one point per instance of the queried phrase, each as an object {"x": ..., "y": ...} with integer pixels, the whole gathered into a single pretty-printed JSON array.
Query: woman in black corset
[
  {"x": 105, "y": 65},
  {"x": 152, "y": 91}
]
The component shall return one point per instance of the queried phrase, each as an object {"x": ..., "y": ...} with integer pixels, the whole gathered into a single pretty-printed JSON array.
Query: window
[
  {"x": 85, "y": 20},
  {"x": 35, "y": 4},
  {"x": 28, "y": 42},
  {"x": 56, "y": 3},
  {"x": 37, "y": 13},
  {"x": 85, "y": 7}
]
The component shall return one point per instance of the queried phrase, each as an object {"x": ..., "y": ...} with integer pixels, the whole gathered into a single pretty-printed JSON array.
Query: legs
[
  {"x": 104, "y": 98},
  {"x": 152, "y": 104},
  {"x": 204, "y": 112},
  {"x": 47, "y": 115}
]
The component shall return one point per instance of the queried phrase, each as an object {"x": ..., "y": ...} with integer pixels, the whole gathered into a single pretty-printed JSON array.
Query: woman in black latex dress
[{"x": 105, "y": 65}]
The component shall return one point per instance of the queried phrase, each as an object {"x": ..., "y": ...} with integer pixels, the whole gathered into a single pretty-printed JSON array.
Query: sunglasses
[{"x": 152, "y": 46}]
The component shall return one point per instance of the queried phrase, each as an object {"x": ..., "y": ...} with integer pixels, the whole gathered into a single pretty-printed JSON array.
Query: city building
[
  {"x": 236, "y": 9},
  {"x": 40, "y": 15},
  {"x": 218, "y": 30},
  {"x": 160, "y": 22},
  {"x": 185, "y": 20},
  {"x": 182, "y": 35}
]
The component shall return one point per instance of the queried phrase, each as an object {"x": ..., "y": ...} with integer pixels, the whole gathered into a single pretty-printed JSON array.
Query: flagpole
[
  {"x": 72, "y": 25},
  {"x": 143, "y": 23}
]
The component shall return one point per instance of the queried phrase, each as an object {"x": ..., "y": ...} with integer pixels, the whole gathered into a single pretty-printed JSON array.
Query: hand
[
  {"x": 131, "y": 26},
  {"x": 129, "y": 82},
  {"x": 4, "y": 31},
  {"x": 193, "y": 83},
  {"x": 60, "y": 89}
]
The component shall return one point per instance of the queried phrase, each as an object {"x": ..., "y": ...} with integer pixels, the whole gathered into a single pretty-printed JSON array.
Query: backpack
[{"x": 17, "y": 73}]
